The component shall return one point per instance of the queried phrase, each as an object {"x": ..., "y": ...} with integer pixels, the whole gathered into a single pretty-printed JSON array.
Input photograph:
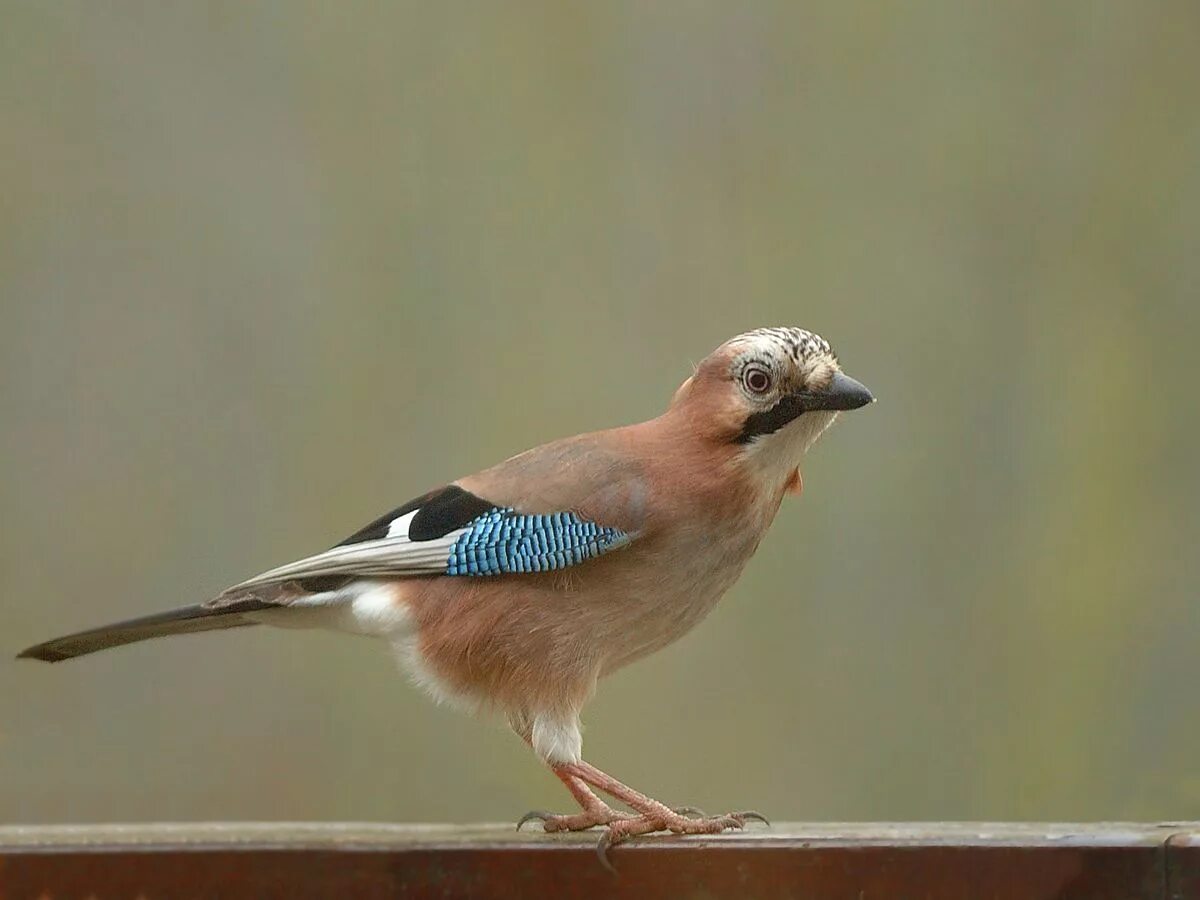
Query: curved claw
[
  {"x": 751, "y": 814},
  {"x": 533, "y": 815},
  {"x": 692, "y": 812},
  {"x": 602, "y": 845}
]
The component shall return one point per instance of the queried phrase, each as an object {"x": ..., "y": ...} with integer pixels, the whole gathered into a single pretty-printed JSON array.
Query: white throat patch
[{"x": 775, "y": 456}]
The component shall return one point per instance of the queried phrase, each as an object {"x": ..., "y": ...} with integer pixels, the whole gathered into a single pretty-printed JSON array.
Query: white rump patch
[
  {"x": 376, "y": 609},
  {"x": 367, "y": 606}
]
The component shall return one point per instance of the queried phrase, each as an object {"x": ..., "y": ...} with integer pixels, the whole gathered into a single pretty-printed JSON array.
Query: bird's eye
[{"x": 756, "y": 380}]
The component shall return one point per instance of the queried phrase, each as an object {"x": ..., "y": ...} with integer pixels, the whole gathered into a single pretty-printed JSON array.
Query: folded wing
[{"x": 516, "y": 518}]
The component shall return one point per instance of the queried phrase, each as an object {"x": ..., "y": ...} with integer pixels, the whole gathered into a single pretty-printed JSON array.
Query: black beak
[{"x": 843, "y": 393}]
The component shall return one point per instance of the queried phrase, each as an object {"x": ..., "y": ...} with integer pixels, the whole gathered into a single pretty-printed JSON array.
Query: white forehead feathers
[{"x": 796, "y": 343}]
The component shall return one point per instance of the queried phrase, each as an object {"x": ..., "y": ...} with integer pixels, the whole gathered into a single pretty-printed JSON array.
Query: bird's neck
[{"x": 719, "y": 476}]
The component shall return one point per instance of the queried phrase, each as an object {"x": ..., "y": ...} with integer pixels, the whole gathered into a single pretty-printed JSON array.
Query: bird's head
[{"x": 768, "y": 395}]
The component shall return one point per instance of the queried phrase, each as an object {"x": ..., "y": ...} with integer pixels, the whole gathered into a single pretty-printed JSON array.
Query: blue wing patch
[{"x": 502, "y": 541}]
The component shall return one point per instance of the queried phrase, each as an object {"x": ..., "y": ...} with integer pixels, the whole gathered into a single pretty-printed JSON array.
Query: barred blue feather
[{"x": 502, "y": 541}]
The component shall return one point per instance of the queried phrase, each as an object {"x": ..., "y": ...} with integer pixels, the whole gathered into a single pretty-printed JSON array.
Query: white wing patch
[{"x": 400, "y": 525}]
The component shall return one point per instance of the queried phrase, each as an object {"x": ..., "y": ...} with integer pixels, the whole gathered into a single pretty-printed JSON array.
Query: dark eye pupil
[{"x": 757, "y": 380}]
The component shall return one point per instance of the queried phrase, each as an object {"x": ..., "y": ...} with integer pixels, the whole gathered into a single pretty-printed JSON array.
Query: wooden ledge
[{"x": 890, "y": 860}]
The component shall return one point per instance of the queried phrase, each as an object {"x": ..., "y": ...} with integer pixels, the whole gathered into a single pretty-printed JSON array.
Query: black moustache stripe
[{"x": 770, "y": 420}]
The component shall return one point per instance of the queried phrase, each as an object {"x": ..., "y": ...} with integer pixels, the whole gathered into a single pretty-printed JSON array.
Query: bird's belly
[
  {"x": 662, "y": 617},
  {"x": 541, "y": 641}
]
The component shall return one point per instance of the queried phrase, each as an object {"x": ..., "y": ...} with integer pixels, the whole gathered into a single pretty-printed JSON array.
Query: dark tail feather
[{"x": 186, "y": 620}]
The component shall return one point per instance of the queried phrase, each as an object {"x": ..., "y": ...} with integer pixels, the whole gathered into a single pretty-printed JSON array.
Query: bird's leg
[
  {"x": 654, "y": 816},
  {"x": 595, "y": 811}
]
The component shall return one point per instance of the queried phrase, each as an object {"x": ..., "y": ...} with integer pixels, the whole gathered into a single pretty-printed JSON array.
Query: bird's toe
[{"x": 534, "y": 815}]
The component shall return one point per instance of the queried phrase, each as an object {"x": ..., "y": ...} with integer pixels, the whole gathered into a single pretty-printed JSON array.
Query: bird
[{"x": 518, "y": 588}]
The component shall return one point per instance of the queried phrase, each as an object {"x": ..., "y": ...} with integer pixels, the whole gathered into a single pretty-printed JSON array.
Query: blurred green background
[{"x": 268, "y": 270}]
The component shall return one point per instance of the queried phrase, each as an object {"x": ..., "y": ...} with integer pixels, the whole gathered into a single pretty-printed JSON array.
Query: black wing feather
[{"x": 441, "y": 511}]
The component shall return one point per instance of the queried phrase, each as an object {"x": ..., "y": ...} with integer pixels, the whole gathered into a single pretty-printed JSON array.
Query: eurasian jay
[{"x": 519, "y": 587}]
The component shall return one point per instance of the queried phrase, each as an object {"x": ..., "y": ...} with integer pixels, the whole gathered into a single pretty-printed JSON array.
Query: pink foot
[
  {"x": 581, "y": 821},
  {"x": 670, "y": 822},
  {"x": 595, "y": 811},
  {"x": 676, "y": 824},
  {"x": 652, "y": 815}
]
